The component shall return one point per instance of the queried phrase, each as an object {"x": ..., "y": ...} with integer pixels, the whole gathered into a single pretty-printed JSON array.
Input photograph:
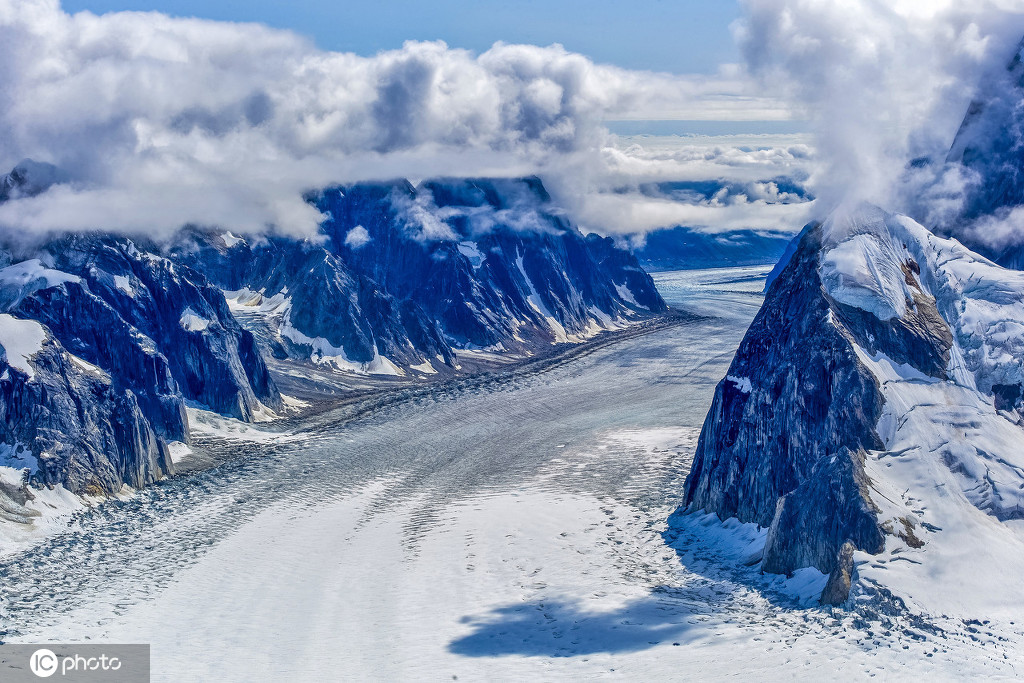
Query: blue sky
[{"x": 679, "y": 36}]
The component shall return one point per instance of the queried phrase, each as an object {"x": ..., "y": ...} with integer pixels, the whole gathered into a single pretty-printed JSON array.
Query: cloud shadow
[{"x": 560, "y": 629}]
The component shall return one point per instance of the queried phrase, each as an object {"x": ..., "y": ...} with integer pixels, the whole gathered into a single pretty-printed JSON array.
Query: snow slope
[
  {"x": 553, "y": 578},
  {"x": 19, "y": 341},
  {"x": 873, "y": 419},
  {"x": 953, "y": 464}
]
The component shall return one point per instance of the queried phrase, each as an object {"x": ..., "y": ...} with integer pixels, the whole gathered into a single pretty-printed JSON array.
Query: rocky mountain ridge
[
  {"x": 872, "y": 416},
  {"x": 406, "y": 277},
  {"x": 128, "y": 331}
]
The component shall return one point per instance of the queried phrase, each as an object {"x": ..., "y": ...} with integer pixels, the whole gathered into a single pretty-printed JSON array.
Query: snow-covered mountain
[
  {"x": 103, "y": 343},
  {"x": 66, "y": 421},
  {"x": 872, "y": 418},
  {"x": 682, "y": 248},
  {"x": 105, "y": 339},
  {"x": 989, "y": 152},
  {"x": 116, "y": 330},
  {"x": 406, "y": 276}
]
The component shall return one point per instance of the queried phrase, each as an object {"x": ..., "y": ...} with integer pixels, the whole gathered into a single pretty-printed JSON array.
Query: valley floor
[{"x": 497, "y": 530}]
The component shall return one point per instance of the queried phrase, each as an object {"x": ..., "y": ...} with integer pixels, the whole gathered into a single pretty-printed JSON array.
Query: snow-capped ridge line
[{"x": 896, "y": 356}]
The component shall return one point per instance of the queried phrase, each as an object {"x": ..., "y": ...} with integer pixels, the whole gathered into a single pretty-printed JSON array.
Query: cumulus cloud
[
  {"x": 357, "y": 237},
  {"x": 611, "y": 194},
  {"x": 420, "y": 217},
  {"x": 996, "y": 231},
  {"x": 160, "y": 122},
  {"x": 631, "y": 213},
  {"x": 883, "y": 82}
]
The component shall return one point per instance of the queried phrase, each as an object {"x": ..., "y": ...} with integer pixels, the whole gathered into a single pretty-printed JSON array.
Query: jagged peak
[{"x": 29, "y": 178}]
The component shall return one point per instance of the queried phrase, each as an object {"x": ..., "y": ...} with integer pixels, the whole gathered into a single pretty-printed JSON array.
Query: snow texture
[
  {"x": 22, "y": 279},
  {"x": 950, "y": 482},
  {"x": 193, "y": 322},
  {"x": 21, "y": 339},
  {"x": 323, "y": 352}
]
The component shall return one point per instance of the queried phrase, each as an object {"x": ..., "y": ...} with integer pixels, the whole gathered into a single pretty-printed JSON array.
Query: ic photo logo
[{"x": 44, "y": 663}]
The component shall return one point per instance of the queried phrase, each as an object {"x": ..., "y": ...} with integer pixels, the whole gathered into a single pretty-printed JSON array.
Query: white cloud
[
  {"x": 421, "y": 217},
  {"x": 1005, "y": 228},
  {"x": 162, "y": 121},
  {"x": 357, "y": 237},
  {"x": 632, "y": 213},
  {"x": 605, "y": 192},
  {"x": 882, "y": 81}
]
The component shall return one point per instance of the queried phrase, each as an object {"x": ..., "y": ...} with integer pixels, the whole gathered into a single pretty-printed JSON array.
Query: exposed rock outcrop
[
  {"x": 67, "y": 422},
  {"x": 795, "y": 393},
  {"x": 839, "y": 486},
  {"x": 405, "y": 276},
  {"x": 143, "y": 336},
  {"x": 872, "y": 406}
]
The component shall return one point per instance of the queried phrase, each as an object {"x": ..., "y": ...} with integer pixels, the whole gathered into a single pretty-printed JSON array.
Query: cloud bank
[
  {"x": 159, "y": 121},
  {"x": 883, "y": 82}
]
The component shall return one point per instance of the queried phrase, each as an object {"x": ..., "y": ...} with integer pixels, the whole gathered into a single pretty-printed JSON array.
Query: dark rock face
[
  {"x": 28, "y": 179},
  {"x": 1008, "y": 396},
  {"x": 413, "y": 273},
  {"x": 837, "y": 589},
  {"x": 838, "y": 486},
  {"x": 920, "y": 337},
  {"x": 989, "y": 147},
  {"x": 489, "y": 259},
  {"x": 784, "y": 442},
  {"x": 95, "y": 332},
  {"x": 623, "y": 268},
  {"x": 160, "y": 308},
  {"x": 327, "y": 299},
  {"x": 82, "y": 431},
  {"x": 809, "y": 397},
  {"x": 989, "y": 141},
  {"x": 151, "y": 335}
]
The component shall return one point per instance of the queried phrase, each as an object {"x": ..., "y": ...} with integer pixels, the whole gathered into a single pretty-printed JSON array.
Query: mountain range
[{"x": 107, "y": 338}]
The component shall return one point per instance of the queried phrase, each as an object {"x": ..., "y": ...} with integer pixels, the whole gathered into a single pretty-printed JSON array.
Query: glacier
[
  {"x": 506, "y": 526},
  {"x": 405, "y": 284}
]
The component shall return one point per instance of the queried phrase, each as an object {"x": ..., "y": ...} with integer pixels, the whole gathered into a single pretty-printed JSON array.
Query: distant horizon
[{"x": 704, "y": 127}]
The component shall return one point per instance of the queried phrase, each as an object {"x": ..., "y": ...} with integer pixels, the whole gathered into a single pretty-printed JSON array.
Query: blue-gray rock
[
  {"x": 989, "y": 147},
  {"x": 155, "y": 333},
  {"x": 213, "y": 360},
  {"x": 493, "y": 260},
  {"x": 28, "y": 179},
  {"x": 326, "y": 299},
  {"x": 79, "y": 429},
  {"x": 416, "y": 273},
  {"x": 783, "y": 444},
  {"x": 808, "y": 397}
]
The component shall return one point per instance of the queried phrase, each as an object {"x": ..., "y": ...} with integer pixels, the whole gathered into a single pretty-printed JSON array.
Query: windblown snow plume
[
  {"x": 159, "y": 122},
  {"x": 884, "y": 82}
]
